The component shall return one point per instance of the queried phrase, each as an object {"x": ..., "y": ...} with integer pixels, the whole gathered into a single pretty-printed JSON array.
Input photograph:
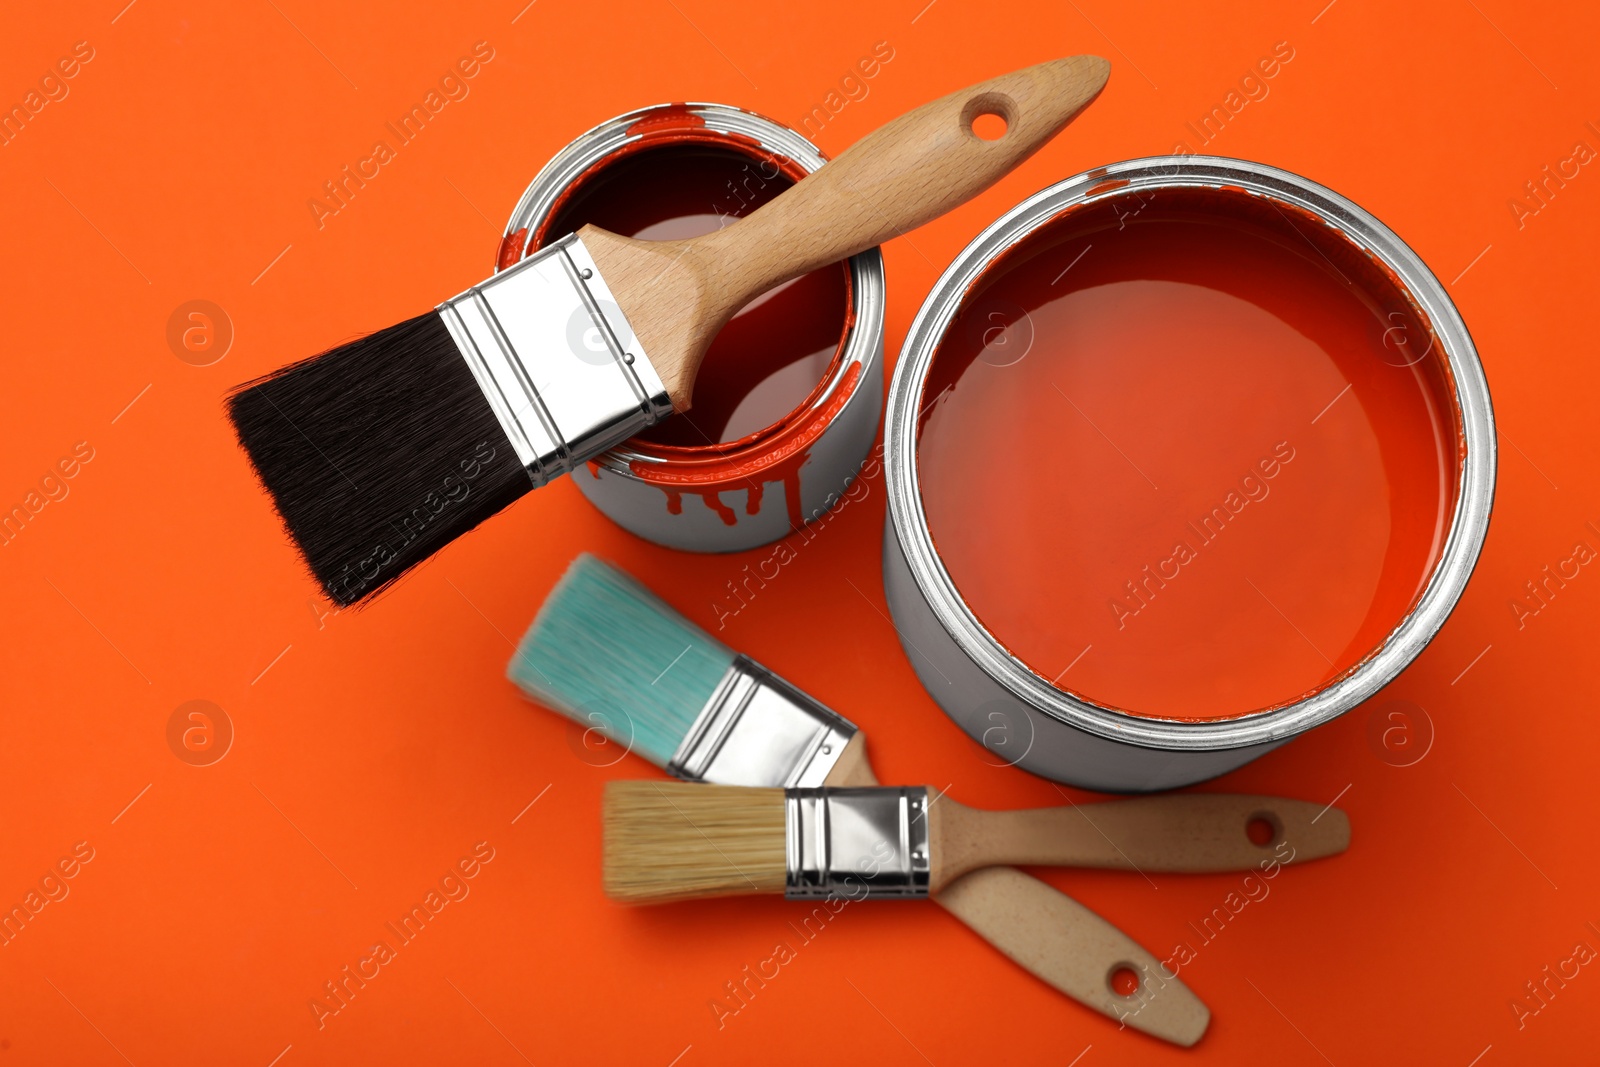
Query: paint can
[
  {"x": 786, "y": 405},
  {"x": 1408, "y": 542}
]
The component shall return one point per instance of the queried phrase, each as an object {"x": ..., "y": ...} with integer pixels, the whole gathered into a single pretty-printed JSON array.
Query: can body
[
  {"x": 725, "y": 495},
  {"x": 1020, "y": 716}
]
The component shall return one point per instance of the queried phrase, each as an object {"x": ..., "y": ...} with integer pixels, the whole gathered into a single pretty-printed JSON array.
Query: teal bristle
[{"x": 609, "y": 654}]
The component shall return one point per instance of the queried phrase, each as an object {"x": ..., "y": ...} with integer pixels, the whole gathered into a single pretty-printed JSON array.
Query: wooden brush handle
[
  {"x": 1176, "y": 832},
  {"x": 913, "y": 169},
  {"x": 1076, "y": 951},
  {"x": 676, "y": 295},
  {"x": 1056, "y": 939}
]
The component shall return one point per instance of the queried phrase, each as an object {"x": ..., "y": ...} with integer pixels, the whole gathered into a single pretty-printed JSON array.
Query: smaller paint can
[
  {"x": 786, "y": 404},
  {"x": 1185, "y": 456}
]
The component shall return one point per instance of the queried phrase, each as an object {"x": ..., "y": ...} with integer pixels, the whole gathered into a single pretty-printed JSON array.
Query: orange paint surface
[
  {"x": 367, "y": 753},
  {"x": 1188, "y": 454}
]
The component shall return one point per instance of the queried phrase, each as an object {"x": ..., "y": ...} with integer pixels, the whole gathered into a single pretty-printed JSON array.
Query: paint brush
[
  {"x": 381, "y": 451},
  {"x": 686, "y": 702},
  {"x": 678, "y": 841}
]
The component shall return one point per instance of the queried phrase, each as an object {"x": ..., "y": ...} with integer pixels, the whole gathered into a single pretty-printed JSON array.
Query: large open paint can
[{"x": 1185, "y": 456}]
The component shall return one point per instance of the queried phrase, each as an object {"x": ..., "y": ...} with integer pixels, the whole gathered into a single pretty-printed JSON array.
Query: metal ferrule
[
  {"x": 857, "y": 843},
  {"x": 757, "y": 729},
  {"x": 556, "y": 359}
]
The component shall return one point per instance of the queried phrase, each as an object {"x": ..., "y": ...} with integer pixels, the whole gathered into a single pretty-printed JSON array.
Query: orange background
[{"x": 374, "y": 749}]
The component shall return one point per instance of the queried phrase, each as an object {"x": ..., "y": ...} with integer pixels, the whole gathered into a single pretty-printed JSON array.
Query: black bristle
[{"x": 378, "y": 453}]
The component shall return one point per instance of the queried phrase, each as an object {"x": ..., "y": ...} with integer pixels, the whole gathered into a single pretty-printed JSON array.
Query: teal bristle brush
[
  {"x": 647, "y": 701},
  {"x": 690, "y": 704}
]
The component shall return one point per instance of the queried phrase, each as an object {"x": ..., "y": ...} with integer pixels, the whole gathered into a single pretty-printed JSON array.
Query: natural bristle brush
[
  {"x": 383, "y": 450},
  {"x": 676, "y": 840},
  {"x": 615, "y": 658}
]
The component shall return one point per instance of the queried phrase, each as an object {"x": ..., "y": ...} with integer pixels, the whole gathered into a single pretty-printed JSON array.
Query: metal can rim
[
  {"x": 1468, "y": 525},
  {"x": 865, "y": 340}
]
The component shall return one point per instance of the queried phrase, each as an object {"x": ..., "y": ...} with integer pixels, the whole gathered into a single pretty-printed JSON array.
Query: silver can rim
[
  {"x": 1475, "y": 488},
  {"x": 865, "y": 343}
]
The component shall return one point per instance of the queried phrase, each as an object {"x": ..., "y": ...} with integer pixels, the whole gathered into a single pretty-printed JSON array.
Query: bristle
[
  {"x": 607, "y": 652},
  {"x": 677, "y": 840},
  {"x": 378, "y": 453}
]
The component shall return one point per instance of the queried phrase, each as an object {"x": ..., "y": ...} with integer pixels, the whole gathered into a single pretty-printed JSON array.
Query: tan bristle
[{"x": 678, "y": 840}]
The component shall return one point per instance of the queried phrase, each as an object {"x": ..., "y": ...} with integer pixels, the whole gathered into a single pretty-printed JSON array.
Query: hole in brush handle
[
  {"x": 1263, "y": 829},
  {"x": 989, "y": 117}
]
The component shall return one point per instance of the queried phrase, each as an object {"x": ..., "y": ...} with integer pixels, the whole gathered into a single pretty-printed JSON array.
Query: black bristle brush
[
  {"x": 381, "y": 451},
  {"x": 414, "y": 458}
]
